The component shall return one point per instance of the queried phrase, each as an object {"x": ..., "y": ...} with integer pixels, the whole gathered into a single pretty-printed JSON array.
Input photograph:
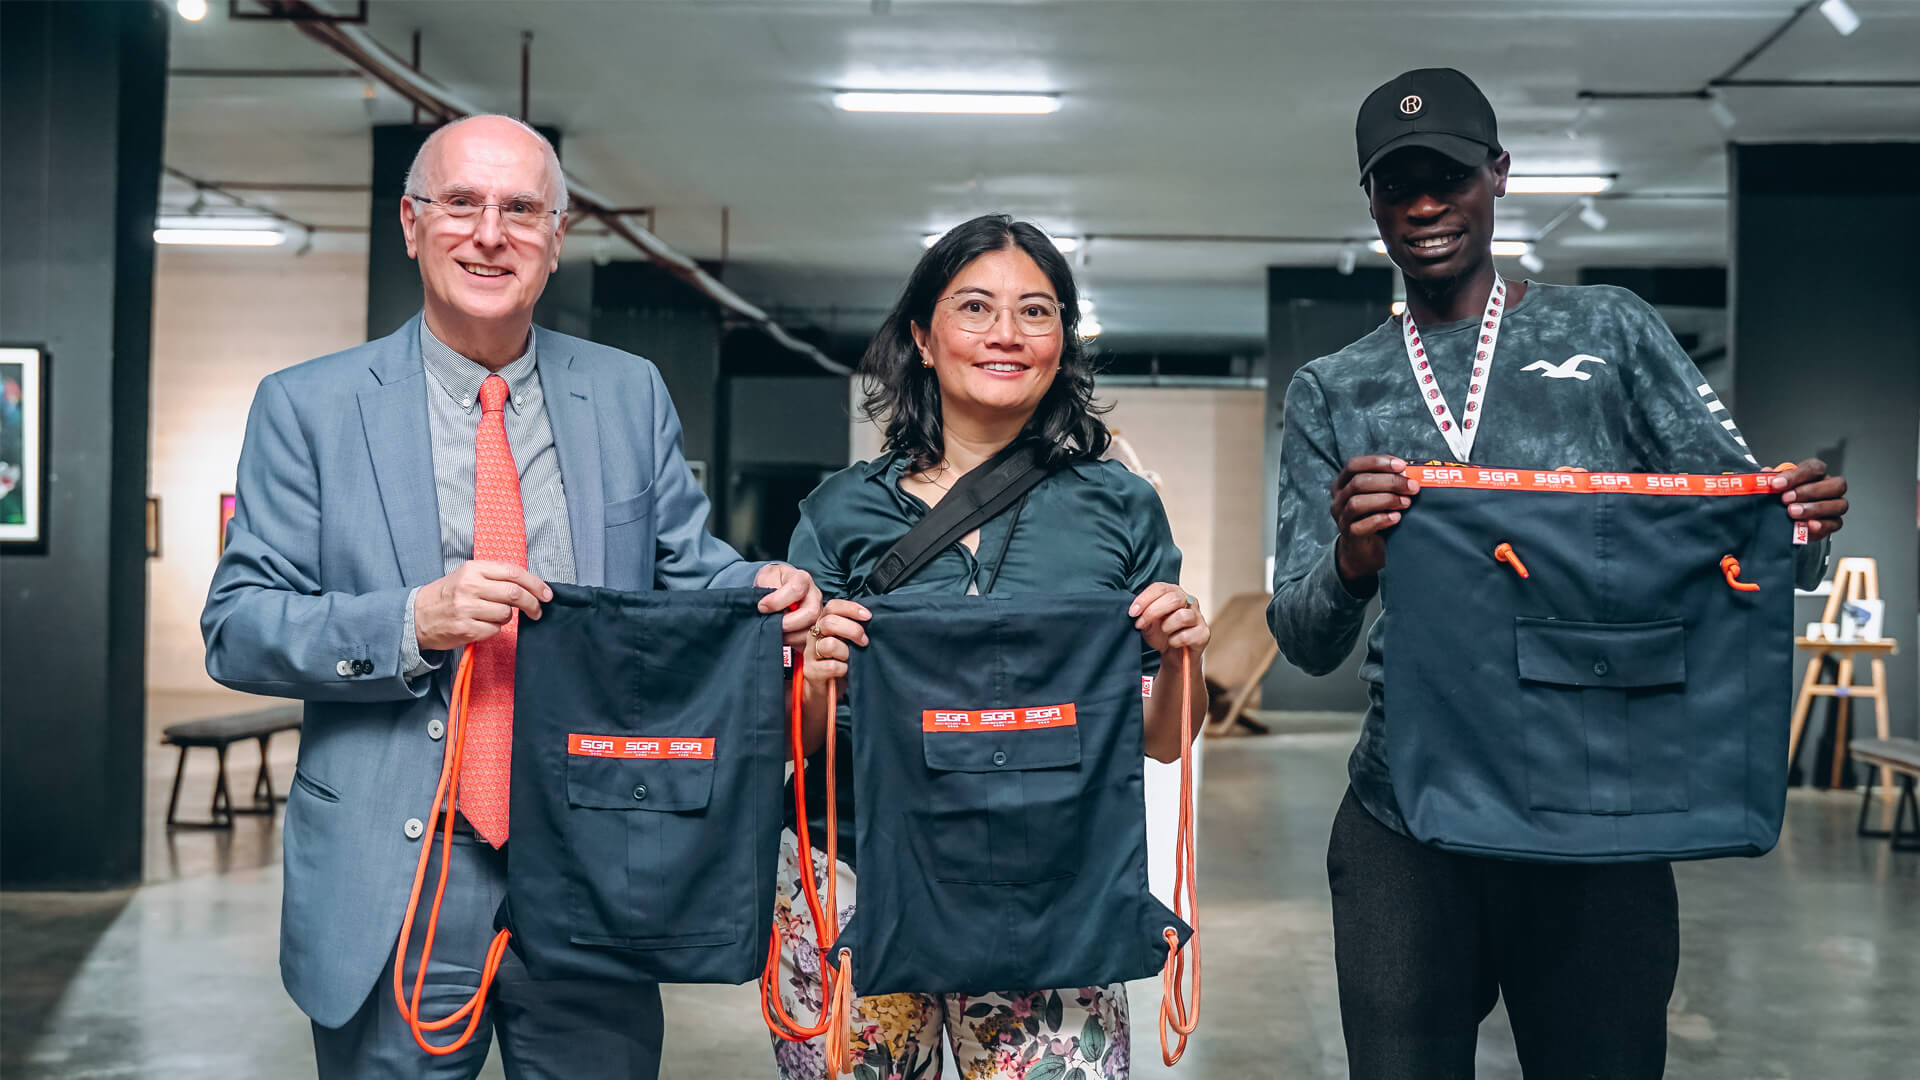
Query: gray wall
[
  {"x": 1825, "y": 293},
  {"x": 82, "y": 104},
  {"x": 1312, "y": 312}
]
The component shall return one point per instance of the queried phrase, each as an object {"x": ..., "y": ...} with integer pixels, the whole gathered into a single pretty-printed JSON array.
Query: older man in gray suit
[{"x": 400, "y": 501}]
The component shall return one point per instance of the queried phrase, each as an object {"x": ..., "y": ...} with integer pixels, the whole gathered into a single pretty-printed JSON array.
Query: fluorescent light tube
[
  {"x": 1066, "y": 245},
  {"x": 1558, "y": 185},
  {"x": 1500, "y": 247},
  {"x": 889, "y": 101},
  {"x": 219, "y": 237}
]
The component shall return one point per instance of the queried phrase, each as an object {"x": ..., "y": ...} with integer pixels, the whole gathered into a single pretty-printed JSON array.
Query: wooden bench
[
  {"x": 219, "y": 732},
  {"x": 1895, "y": 758}
]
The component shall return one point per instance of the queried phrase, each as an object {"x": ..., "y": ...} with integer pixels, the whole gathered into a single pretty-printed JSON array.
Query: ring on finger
[{"x": 815, "y": 631}]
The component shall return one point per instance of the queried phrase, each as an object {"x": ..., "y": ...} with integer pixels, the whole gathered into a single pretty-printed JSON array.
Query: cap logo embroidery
[{"x": 1411, "y": 105}]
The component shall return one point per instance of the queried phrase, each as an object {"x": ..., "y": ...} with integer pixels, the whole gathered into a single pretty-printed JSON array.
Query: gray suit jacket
[{"x": 336, "y": 521}]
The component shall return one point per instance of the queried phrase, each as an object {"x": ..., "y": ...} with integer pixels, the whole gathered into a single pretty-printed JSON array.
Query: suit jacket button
[
  {"x": 1601, "y": 668},
  {"x": 640, "y": 791},
  {"x": 435, "y": 729},
  {"x": 414, "y": 828},
  {"x": 345, "y": 668},
  {"x": 999, "y": 757}
]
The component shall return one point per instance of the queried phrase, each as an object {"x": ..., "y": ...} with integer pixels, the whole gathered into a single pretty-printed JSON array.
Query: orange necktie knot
[{"x": 493, "y": 395}]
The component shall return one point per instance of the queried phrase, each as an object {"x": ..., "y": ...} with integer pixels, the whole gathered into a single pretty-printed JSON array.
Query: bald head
[{"x": 487, "y": 134}]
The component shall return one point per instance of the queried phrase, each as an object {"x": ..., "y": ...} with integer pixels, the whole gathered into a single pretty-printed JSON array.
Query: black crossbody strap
[{"x": 976, "y": 499}]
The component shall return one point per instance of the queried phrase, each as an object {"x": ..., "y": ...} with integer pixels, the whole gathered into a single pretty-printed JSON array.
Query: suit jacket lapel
[
  {"x": 394, "y": 416},
  {"x": 576, "y": 436}
]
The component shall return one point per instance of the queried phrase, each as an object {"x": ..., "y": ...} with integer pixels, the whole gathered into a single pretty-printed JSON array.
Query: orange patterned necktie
[{"x": 499, "y": 535}]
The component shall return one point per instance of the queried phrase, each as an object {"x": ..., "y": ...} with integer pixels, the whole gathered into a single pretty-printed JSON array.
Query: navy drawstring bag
[
  {"x": 997, "y": 761},
  {"x": 649, "y": 748},
  {"x": 1589, "y": 667}
]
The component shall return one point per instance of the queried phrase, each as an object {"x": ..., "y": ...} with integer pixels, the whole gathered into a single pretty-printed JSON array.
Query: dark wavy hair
[{"x": 904, "y": 397}]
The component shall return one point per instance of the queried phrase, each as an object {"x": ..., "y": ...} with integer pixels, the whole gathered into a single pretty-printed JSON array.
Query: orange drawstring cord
[
  {"x": 1730, "y": 566},
  {"x": 444, "y": 796},
  {"x": 1175, "y": 1011},
  {"x": 1505, "y": 553},
  {"x": 834, "y": 1020}
]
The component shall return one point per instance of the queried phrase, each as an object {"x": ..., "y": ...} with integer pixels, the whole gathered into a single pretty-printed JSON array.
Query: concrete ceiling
[{"x": 1181, "y": 117}]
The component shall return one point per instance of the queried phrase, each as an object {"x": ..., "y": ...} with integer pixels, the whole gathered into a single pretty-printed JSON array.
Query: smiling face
[
  {"x": 481, "y": 274},
  {"x": 1435, "y": 214},
  {"x": 1003, "y": 371}
]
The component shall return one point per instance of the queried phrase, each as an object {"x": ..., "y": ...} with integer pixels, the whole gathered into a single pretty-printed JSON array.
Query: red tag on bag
[
  {"x": 1023, "y": 719},
  {"x": 649, "y": 748}
]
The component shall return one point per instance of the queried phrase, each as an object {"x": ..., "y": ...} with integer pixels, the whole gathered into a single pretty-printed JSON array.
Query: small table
[{"x": 1843, "y": 688}]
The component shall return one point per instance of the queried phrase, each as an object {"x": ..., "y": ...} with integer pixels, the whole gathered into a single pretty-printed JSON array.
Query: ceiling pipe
[{"x": 360, "y": 49}]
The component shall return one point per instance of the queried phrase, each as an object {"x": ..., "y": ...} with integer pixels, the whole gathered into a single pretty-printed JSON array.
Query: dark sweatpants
[{"x": 1425, "y": 941}]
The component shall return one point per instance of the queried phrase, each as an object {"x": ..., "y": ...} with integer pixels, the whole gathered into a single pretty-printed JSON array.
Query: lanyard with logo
[{"x": 1458, "y": 428}]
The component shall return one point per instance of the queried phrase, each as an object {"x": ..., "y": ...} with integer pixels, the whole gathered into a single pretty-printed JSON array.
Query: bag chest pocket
[
  {"x": 1604, "y": 715},
  {"x": 1002, "y": 807},
  {"x": 647, "y": 851}
]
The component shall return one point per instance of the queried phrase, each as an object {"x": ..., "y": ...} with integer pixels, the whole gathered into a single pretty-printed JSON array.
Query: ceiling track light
[
  {"x": 1532, "y": 262},
  {"x": 1349, "y": 258},
  {"x": 1722, "y": 115},
  {"x": 1591, "y": 216},
  {"x": 1841, "y": 15}
]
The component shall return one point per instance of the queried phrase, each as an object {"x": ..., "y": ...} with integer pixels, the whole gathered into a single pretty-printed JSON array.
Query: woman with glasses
[{"x": 979, "y": 351}]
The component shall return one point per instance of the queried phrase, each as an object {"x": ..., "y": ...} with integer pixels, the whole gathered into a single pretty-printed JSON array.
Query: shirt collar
[{"x": 461, "y": 377}]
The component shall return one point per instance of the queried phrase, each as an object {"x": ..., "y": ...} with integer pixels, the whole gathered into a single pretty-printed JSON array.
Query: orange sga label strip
[
  {"x": 1024, "y": 719},
  {"x": 1591, "y": 483},
  {"x": 649, "y": 748}
]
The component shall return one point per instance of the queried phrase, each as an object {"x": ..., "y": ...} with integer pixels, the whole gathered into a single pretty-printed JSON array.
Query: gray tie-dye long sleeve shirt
[{"x": 1636, "y": 403}]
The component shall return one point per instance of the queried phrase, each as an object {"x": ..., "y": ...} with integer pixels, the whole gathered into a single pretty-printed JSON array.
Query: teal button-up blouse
[{"x": 1088, "y": 527}]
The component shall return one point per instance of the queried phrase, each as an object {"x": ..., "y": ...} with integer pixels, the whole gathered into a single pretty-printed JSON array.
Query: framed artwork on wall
[
  {"x": 23, "y": 448},
  {"x": 226, "y": 515}
]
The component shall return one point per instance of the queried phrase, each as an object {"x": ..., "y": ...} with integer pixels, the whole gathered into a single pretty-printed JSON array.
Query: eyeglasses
[
  {"x": 521, "y": 216},
  {"x": 976, "y": 315}
]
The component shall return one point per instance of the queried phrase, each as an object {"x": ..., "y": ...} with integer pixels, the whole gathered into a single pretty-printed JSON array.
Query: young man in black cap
[{"x": 1586, "y": 377}]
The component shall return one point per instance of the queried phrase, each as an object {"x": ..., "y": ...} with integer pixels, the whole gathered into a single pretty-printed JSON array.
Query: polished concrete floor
[{"x": 1804, "y": 964}]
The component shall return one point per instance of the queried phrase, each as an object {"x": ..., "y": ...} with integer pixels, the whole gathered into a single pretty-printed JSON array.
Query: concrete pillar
[
  {"x": 82, "y": 111},
  {"x": 1825, "y": 353},
  {"x": 1311, "y": 312}
]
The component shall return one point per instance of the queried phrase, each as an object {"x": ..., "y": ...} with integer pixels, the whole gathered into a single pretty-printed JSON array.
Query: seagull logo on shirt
[{"x": 1565, "y": 369}]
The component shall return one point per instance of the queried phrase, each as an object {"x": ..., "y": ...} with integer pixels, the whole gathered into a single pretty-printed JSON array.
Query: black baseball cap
[{"x": 1438, "y": 108}]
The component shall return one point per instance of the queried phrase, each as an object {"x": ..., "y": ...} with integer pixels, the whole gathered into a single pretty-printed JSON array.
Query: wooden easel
[{"x": 1853, "y": 580}]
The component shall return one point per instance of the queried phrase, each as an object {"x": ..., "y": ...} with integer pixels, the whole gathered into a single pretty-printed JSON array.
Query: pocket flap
[
  {"x": 999, "y": 751},
  {"x": 632, "y": 508},
  {"x": 666, "y": 785},
  {"x": 1606, "y": 655}
]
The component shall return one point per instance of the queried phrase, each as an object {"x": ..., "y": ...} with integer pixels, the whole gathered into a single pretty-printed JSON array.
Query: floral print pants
[{"x": 1078, "y": 1033}]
